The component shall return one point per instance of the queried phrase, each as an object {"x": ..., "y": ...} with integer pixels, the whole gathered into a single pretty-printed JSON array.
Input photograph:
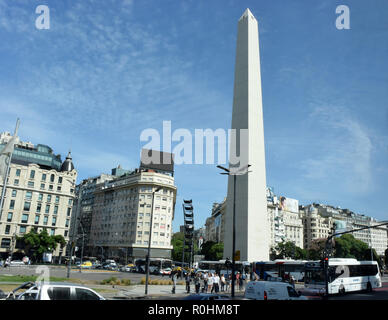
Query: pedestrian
[
  {"x": 174, "y": 279},
  {"x": 188, "y": 280},
  {"x": 205, "y": 280},
  {"x": 197, "y": 283},
  {"x": 216, "y": 283},
  {"x": 227, "y": 282},
  {"x": 210, "y": 282},
  {"x": 242, "y": 281},
  {"x": 222, "y": 283},
  {"x": 237, "y": 283}
]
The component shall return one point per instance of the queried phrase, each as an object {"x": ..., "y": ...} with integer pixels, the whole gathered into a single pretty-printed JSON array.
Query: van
[
  {"x": 53, "y": 291},
  {"x": 270, "y": 290}
]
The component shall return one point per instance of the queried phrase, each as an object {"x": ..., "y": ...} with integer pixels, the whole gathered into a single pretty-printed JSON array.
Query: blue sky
[{"x": 107, "y": 70}]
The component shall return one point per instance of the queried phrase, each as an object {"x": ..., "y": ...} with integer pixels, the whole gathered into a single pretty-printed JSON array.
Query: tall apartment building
[
  {"x": 122, "y": 214},
  {"x": 284, "y": 220},
  {"x": 39, "y": 195},
  {"x": 215, "y": 224},
  {"x": 319, "y": 219},
  {"x": 81, "y": 221}
]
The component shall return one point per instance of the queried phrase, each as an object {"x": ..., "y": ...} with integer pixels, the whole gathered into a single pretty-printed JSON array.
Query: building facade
[
  {"x": 122, "y": 214},
  {"x": 321, "y": 219},
  {"x": 215, "y": 224},
  {"x": 39, "y": 195}
]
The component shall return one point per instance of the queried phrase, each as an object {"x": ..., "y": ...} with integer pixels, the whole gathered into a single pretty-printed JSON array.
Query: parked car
[
  {"x": 87, "y": 265},
  {"x": 165, "y": 271},
  {"x": 15, "y": 263},
  {"x": 207, "y": 296},
  {"x": 271, "y": 290},
  {"x": 53, "y": 291},
  {"x": 128, "y": 268}
]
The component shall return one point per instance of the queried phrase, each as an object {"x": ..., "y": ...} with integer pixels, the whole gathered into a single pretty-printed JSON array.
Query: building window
[
  {"x": 47, "y": 208},
  {"x": 56, "y": 210},
  {"x": 18, "y": 172},
  {"x": 23, "y": 229},
  {"x": 7, "y": 229},
  {"x": 32, "y": 174},
  {"x": 27, "y": 206},
  {"x": 70, "y": 202},
  {"x": 40, "y": 197},
  {"x": 68, "y": 212},
  {"x": 52, "y": 177},
  {"x": 24, "y": 218},
  {"x": 28, "y": 195},
  {"x": 12, "y": 204},
  {"x": 66, "y": 233},
  {"x": 51, "y": 187},
  {"x": 38, "y": 207},
  {"x": 57, "y": 199},
  {"x": 16, "y": 182},
  {"x": 44, "y": 177},
  {"x": 5, "y": 243},
  {"x": 52, "y": 232},
  {"x": 9, "y": 217},
  {"x": 49, "y": 198},
  {"x": 42, "y": 186},
  {"x": 45, "y": 220},
  {"x": 59, "y": 188},
  {"x": 14, "y": 193},
  {"x": 30, "y": 184},
  {"x": 67, "y": 223},
  {"x": 59, "y": 179},
  {"x": 36, "y": 219}
]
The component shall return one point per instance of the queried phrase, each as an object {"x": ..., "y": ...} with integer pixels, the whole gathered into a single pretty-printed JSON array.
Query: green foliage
[
  {"x": 35, "y": 244},
  {"x": 212, "y": 250},
  {"x": 347, "y": 246},
  {"x": 177, "y": 240},
  {"x": 288, "y": 250}
]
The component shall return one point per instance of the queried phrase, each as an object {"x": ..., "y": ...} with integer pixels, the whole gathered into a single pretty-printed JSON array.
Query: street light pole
[
  {"x": 234, "y": 173},
  {"x": 83, "y": 239},
  {"x": 149, "y": 241}
]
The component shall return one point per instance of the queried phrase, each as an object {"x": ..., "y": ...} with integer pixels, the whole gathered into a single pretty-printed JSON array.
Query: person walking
[
  {"x": 174, "y": 279},
  {"x": 188, "y": 280},
  {"x": 237, "y": 283},
  {"x": 197, "y": 283},
  {"x": 222, "y": 279},
  {"x": 216, "y": 283},
  {"x": 205, "y": 280},
  {"x": 210, "y": 283}
]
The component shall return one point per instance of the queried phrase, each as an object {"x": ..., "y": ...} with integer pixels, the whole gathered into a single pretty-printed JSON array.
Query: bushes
[
  {"x": 159, "y": 282},
  {"x": 114, "y": 281}
]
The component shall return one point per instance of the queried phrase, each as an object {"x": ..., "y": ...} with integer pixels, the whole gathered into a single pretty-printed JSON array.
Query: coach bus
[
  {"x": 221, "y": 268},
  {"x": 344, "y": 275},
  {"x": 282, "y": 269}
]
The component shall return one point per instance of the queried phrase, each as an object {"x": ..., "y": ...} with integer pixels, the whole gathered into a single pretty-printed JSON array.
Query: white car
[
  {"x": 14, "y": 263},
  {"x": 54, "y": 291},
  {"x": 271, "y": 290}
]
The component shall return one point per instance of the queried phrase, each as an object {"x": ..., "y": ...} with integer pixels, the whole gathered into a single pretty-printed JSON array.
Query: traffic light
[{"x": 323, "y": 262}]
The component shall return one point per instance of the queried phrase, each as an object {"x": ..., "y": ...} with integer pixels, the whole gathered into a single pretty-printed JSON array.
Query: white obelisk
[{"x": 251, "y": 227}]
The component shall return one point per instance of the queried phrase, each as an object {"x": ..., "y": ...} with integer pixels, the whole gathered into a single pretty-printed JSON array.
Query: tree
[
  {"x": 316, "y": 250},
  {"x": 288, "y": 250},
  {"x": 212, "y": 251},
  {"x": 35, "y": 244},
  {"x": 347, "y": 246},
  {"x": 177, "y": 240}
]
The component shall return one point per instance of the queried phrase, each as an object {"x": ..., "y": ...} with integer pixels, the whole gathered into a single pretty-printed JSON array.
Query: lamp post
[
  {"x": 149, "y": 241},
  {"x": 83, "y": 239},
  {"x": 234, "y": 172}
]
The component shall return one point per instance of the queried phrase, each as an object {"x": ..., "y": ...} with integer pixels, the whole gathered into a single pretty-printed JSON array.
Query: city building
[
  {"x": 215, "y": 224},
  {"x": 82, "y": 216},
  {"x": 284, "y": 219},
  {"x": 320, "y": 219},
  {"x": 122, "y": 212},
  {"x": 39, "y": 195}
]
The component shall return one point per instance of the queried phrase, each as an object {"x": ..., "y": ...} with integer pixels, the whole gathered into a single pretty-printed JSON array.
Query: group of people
[{"x": 211, "y": 282}]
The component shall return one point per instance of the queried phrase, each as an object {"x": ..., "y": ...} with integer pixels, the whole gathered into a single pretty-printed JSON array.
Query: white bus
[{"x": 344, "y": 275}]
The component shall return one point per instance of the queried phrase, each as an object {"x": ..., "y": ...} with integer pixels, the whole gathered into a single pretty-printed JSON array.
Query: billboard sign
[{"x": 288, "y": 204}]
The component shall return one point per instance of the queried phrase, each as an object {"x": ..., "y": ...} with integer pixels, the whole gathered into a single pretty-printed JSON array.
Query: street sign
[{"x": 237, "y": 255}]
